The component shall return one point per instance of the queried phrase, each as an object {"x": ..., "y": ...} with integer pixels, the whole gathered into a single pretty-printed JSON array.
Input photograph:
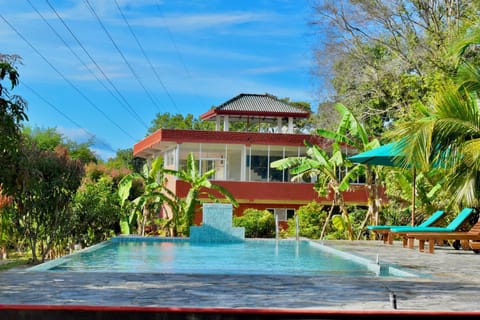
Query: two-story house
[{"x": 242, "y": 159}]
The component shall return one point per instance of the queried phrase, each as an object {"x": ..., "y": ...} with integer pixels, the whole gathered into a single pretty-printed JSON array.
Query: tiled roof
[{"x": 257, "y": 105}]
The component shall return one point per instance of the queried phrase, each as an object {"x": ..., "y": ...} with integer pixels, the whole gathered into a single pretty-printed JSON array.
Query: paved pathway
[{"x": 451, "y": 282}]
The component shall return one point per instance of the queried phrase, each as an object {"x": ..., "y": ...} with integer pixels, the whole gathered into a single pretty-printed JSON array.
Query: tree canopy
[
  {"x": 178, "y": 121},
  {"x": 12, "y": 115},
  {"x": 49, "y": 139},
  {"x": 383, "y": 57}
]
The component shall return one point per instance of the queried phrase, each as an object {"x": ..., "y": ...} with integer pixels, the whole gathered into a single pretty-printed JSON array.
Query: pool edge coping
[{"x": 373, "y": 266}]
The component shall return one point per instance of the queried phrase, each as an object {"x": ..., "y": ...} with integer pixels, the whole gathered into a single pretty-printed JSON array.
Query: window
[
  {"x": 276, "y": 153},
  {"x": 283, "y": 213},
  {"x": 169, "y": 158},
  {"x": 258, "y": 164},
  {"x": 234, "y": 157}
]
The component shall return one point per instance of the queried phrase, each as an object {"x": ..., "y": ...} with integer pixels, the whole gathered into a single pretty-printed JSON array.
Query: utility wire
[
  {"x": 145, "y": 55},
  {"x": 65, "y": 78},
  {"x": 180, "y": 56},
  {"x": 121, "y": 54},
  {"x": 92, "y": 136},
  {"x": 57, "y": 109},
  {"x": 131, "y": 110}
]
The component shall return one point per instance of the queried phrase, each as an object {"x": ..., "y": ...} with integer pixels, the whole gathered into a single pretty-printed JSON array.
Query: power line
[
  {"x": 92, "y": 136},
  {"x": 145, "y": 55},
  {"x": 130, "y": 108},
  {"x": 121, "y": 54},
  {"x": 180, "y": 56},
  {"x": 57, "y": 109},
  {"x": 132, "y": 111},
  {"x": 65, "y": 78}
]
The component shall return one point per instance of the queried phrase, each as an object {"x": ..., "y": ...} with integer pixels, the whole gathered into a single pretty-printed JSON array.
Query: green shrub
[
  {"x": 311, "y": 219},
  {"x": 257, "y": 223}
]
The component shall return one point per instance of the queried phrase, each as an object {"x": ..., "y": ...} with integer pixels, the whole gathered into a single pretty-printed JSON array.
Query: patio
[{"x": 449, "y": 288}]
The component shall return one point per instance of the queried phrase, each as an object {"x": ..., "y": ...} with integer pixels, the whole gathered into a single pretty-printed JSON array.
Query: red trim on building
[
  {"x": 265, "y": 195},
  {"x": 57, "y": 312},
  {"x": 154, "y": 140}
]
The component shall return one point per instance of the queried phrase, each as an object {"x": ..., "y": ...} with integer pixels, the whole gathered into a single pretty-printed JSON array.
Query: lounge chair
[
  {"x": 475, "y": 246},
  {"x": 384, "y": 230},
  {"x": 408, "y": 233},
  {"x": 465, "y": 237}
]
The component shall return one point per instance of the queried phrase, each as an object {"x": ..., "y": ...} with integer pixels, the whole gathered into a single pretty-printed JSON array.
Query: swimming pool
[{"x": 179, "y": 256}]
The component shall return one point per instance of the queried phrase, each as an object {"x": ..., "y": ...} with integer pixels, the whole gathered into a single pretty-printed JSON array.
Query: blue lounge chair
[
  {"x": 384, "y": 230},
  {"x": 408, "y": 233},
  {"x": 466, "y": 239}
]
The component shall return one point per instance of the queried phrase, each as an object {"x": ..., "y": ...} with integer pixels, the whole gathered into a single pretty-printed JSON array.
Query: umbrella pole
[{"x": 413, "y": 195}]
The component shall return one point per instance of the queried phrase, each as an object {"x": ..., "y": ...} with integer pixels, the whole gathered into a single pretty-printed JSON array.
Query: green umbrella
[{"x": 386, "y": 155}]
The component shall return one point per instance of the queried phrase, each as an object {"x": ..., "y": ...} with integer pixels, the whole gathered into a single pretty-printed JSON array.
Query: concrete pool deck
[{"x": 451, "y": 283}]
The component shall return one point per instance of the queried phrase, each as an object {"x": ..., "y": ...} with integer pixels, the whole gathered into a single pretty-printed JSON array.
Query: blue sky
[{"x": 183, "y": 57}]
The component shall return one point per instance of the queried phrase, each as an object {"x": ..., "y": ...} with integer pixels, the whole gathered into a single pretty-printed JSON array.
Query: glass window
[
  {"x": 169, "y": 159},
  {"x": 283, "y": 213},
  {"x": 234, "y": 162},
  {"x": 257, "y": 167},
  {"x": 212, "y": 157},
  {"x": 276, "y": 153},
  {"x": 184, "y": 150}
]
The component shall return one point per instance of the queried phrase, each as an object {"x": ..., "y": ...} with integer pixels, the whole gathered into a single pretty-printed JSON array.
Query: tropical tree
[
  {"x": 96, "y": 211},
  {"x": 123, "y": 159},
  {"x": 352, "y": 133},
  {"x": 7, "y": 228},
  {"x": 156, "y": 195},
  {"x": 200, "y": 186},
  {"x": 12, "y": 114},
  {"x": 381, "y": 57},
  {"x": 153, "y": 199},
  {"x": 325, "y": 168},
  {"x": 47, "y": 182},
  {"x": 45, "y": 139},
  {"x": 50, "y": 138},
  {"x": 178, "y": 121},
  {"x": 81, "y": 151},
  {"x": 329, "y": 168},
  {"x": 448, "y": 135}
]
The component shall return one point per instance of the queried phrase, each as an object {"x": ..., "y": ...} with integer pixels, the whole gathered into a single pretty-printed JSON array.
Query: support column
[
  {"x": 290, "y": 125},
  {"x": 226, "y": 123}
]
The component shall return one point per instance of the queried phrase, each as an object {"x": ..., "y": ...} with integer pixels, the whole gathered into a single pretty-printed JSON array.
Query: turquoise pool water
[{"x": 264, "y": 257}]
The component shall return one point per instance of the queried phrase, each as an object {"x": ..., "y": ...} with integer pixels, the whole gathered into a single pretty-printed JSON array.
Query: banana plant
[
  {"x": 200, "y": 186},
  {"x": 153, "y": 198},
  {"x": 325, "y": 166}
]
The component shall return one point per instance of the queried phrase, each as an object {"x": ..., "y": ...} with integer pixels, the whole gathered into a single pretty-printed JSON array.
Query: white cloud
[
  {"x": 185, "y": 22},
  {"x": 76, "y": 134}
]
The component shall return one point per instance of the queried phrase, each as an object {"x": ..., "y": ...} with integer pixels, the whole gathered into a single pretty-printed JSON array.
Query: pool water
[{"x": 260, "y": 257}]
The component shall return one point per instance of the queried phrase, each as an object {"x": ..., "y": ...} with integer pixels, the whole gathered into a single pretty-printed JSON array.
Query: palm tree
[
  {"x": 200, "y": 185},
  {"x": 449, "y": 132},
  {"x": 449, "y": 135}
]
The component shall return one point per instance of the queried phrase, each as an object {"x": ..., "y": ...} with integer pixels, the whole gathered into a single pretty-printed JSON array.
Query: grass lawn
[{"x": 15, "y": 261}]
